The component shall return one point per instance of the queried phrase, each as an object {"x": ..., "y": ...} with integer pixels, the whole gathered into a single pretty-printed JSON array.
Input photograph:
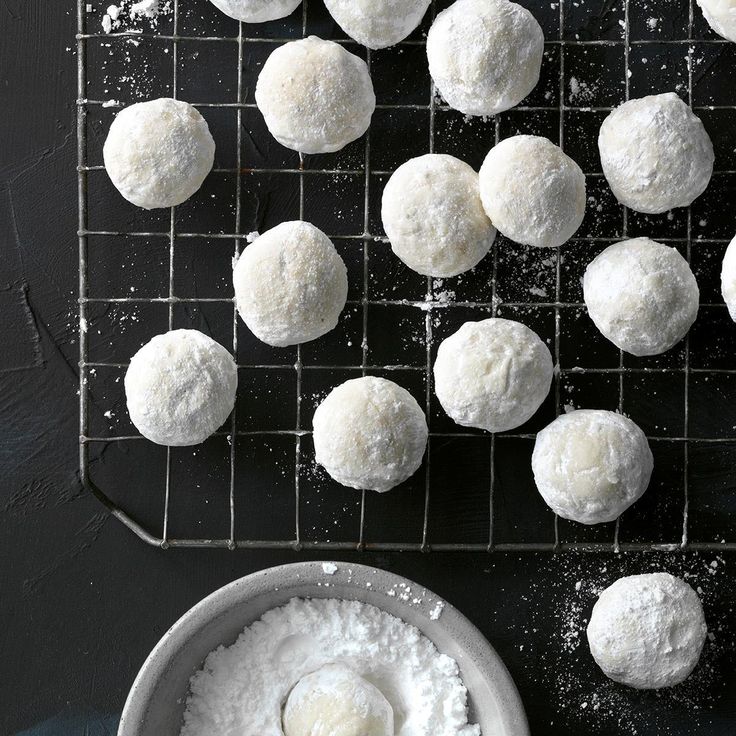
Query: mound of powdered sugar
[{"x": 241, "y": 689}]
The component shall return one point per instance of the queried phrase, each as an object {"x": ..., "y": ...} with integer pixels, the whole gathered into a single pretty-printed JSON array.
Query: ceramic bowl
[{"x": 157, "y": 699}]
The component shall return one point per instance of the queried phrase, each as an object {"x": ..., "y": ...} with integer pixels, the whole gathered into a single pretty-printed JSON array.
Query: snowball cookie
[
  {"x": 647, "y": 631},
  {"x": 377, "y": 23},
  {"x": 493, "y": 374},
  {"x": 433, "y": 216},
  {"x": 335, "y": 701},
  {"x": 158, "y": 153},
  {"x": 315, "y": 96},
  {"x": 728, "y": 279},
  {"x": 256, "y": 11},
  {"x": 590, "y": 465},
  {"x": 180, "y": 387},
  {"x": 532, "y": 191},
  {"x": 721, "y": 16},
  {"x": 369, "y": 433},
  {"x": 655, "y": 153},
  {"x": 641, "y": 295},
  {"x": 485, "y": 55},
  {"x": 290, "y": 284}
]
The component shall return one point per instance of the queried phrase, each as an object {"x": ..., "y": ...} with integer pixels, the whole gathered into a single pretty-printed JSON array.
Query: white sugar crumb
[
  {"x": 436, "y": 612},
  {"x": 149, "y": 8},
  {"x": 329, "y": 568},
  {"x": 245, "y": 685},
  {"x": 251, "y": 237}
]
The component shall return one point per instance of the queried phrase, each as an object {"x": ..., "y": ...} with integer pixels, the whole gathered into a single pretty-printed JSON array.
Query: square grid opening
[{"x": 255, "y": 484}]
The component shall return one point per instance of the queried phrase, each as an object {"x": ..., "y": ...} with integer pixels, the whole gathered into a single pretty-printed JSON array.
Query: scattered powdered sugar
[
  {"x": 241, "y": 689},
  {"x": 581, "y": 91}
]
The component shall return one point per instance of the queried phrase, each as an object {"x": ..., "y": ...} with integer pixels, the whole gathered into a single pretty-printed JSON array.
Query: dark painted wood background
[{"x": 82, "y": 601}]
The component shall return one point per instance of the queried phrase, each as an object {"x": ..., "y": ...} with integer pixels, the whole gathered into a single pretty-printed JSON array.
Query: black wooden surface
[{"x": 82, "y": 601}]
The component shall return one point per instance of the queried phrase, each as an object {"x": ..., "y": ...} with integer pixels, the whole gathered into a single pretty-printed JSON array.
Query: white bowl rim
[{"x": 301, "y": 573}]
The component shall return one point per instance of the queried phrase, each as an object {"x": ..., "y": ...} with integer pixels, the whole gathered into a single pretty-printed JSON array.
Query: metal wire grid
[{"x": 424, "y": 544}]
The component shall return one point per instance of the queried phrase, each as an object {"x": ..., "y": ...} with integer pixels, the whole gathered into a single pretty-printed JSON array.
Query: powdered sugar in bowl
[{"x": 162, "y": 691}]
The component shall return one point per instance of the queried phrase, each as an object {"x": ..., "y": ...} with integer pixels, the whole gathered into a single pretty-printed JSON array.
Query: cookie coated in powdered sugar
[
  {"x": 180, "y": 387},
  {"x": 433, "y": 216},
  {"x": 492, "y": 374},
  {"x": 158, "y": 153},
  {"x": 315, "y": 96},
  {"x": 336, "y": 701},
  {"x": 656, "y": 154},
  {"x": 256, "y": 11},
  {"x": 485, "y": 55},
  {"x": 290, "y": 284},
  {"x": 721, "y": 16},
  {"x": 533, "y": 192},
  {"x": 641, "y": 295},
  {"x": 241, "y": 689},
  {"x": 647, "y": 631},
  {"x": 590, "y": 465},
  {"x": 370, "y": 433},
  {"x": 728, "y": 279},
  {"x": 377, "y": 24}
]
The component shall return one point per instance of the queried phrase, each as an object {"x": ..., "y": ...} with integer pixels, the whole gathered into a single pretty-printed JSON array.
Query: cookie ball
[
  {"x": 158, "y": 153},
  {"x": 315, "y": 96},
  {"x": 641, "y": 295},
  {"x": 493, "y": 374},
  {"x": 290, "y": 285},
  {"x": 377, "y": 24},
  {"x": 728, "y": 279},
  {"x": 256, "y": 11},
  {"x": 433, "y": 216},
  {"x": 370, "y": 433},
  {"x": 180, "y": 388},
  {"x": 335, "y": 700},
  {"x": 721, "y": 17},
  {"x": 647, "y": 631},
  {"x": 532, "y": 191},
  {"x": 485, "y": 55},
  {"x": 656, "y": 154},
  {"x": 590, "y": 465}
]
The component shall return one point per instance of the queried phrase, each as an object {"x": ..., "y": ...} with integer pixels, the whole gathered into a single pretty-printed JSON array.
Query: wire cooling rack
[{"x": 255, "y": 484}]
